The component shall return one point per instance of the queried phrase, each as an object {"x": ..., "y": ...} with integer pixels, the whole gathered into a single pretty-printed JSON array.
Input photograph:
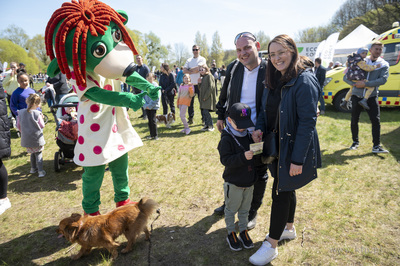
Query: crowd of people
[{"x": 259, "y": 97}]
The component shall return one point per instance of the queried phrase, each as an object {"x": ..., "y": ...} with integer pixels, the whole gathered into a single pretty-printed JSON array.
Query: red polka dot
[
  {"x": 115, "y": 128},
  {"x": 121, "y": 147},
  {"x": 82, "y": 119},
  {"x": 97, "y": 149},
  {"x": 95, "y": 127},
  {"x": 81, "y": 140},
  {"x": 73, "y": 75},
  {"x": 113, "y": 111},
  {"x": 108, "y": 87},
  {"x": 95, "y": 108},
  {"x": 81, "y": 88},
  {"x": 73, "y": 87},
  {"x": 81, "y": 157}
]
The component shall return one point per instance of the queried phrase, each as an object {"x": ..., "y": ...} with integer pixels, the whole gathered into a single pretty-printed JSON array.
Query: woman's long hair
[
  {"x": 273, "y": 77},
  {"x": 206, "y": 68},
  {"x": 166, "y": 68}
]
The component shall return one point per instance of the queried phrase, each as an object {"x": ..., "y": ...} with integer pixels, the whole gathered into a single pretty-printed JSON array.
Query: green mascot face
[{"x": 89, "y": 41}]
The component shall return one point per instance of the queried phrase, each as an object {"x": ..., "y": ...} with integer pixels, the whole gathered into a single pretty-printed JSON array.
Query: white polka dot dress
[{"x": 105, "y": 132}]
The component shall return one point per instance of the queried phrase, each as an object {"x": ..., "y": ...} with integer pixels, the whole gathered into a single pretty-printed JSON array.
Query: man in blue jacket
[{"x": 375, "y": 79}]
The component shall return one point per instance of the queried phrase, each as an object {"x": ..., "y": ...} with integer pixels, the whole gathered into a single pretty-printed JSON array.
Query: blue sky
[{"x": 178, "y": 21}]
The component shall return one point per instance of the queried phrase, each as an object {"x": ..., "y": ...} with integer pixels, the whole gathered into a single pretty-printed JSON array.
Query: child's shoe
[
  {"x": 245, "y": 239},
  {"x": 364, "y": 104},
  {"x": 187, "y": 131},
  {"x": 4, "y": 205},
  {"x": 33, "y": 170},
  {"x": 42, "y": 173},
  {"x": 233, "y": 242},
  {"x": 344, "y": 105}
]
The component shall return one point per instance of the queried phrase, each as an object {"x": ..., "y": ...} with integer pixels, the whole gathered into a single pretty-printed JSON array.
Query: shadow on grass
[
  {"x": 391, "y": 142},
  {"x": 337, "y": 158},
  {"x": 389, "y": 114},
  {"x": 20, "y": 180}
]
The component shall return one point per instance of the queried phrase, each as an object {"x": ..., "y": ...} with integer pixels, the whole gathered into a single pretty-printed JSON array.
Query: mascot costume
[{"x": 88, "y": 42}]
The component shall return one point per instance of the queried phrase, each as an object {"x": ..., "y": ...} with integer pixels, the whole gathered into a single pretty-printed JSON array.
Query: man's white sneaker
[
  {"x": 4, "y": 205},
  {"x": 264, "y": 255}
]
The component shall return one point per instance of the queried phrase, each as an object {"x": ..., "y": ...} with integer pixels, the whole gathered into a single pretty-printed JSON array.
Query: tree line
[{"x": 378, "y": 15}]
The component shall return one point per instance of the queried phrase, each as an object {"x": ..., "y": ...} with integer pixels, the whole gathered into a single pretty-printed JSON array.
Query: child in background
[
  {"x": 70, "y": 114},
  {"x": 357, "y": 70},
  {"x": 151, "y": 108},
  {"x": 19, "y": 96},
  {"x": 30, "y": 123},
  {"x": 185, "y": 95},
  {"x": 239, "y": 173}
]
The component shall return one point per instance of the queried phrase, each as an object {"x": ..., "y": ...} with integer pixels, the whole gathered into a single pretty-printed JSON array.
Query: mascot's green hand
[
  {"x": 154, "y": 93},
  {"x": 137, "y": 102}
]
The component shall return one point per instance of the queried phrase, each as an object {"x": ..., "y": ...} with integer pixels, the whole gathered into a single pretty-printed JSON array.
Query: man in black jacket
[
  {"x": 320, "y": 73},
  {"x": 244, "y": 83},
  {"x": 60, "y": 86}
]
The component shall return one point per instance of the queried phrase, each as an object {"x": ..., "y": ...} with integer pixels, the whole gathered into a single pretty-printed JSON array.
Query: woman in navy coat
[{"x": 290, "y": 102}]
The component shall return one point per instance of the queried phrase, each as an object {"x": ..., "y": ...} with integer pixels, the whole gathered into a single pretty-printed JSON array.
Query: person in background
[
  {"x": 60, "y": 86},
  {"x": 151, "y": 107},
  {"x": 5, "y": 149},
  {"x": 185, "y": 95},
  {"x": 143, "y": 71},
  {"x": 207, "y": 97},
  {"x": 330, "y": 66},
  {"x": 191, "y": 67},
  {"x": 320, "y": 73},
  {"x": 179, "y": 77},
  {"x": 375, "y": 78},
  {"x": 10, "y": 83},
  {"x": 19, "y": 96},
  {"x": 222, "y": 74},
  {"x": 289, "y": 100},
  {"x": 239, "y": 173},
  {"x": 30, "y": 123},
  {"x": 167, "y": 83}
]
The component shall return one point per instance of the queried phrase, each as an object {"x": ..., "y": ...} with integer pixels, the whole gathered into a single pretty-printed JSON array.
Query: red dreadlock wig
[{"x": 86, "y": 15}]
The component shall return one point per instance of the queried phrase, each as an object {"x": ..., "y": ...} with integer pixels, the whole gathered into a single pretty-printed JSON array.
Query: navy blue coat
[{"x": 298, "y": 141}]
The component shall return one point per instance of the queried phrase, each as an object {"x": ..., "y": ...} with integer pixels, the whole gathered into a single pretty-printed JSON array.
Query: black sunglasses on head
[{"x": 245, "y": 34}]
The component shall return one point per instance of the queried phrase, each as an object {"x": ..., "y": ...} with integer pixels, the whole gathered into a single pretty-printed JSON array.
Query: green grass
[{"x": 349, "y": 215}]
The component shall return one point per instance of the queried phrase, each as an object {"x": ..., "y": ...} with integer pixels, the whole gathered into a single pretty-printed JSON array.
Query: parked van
[{"x": 335, "y": 88}]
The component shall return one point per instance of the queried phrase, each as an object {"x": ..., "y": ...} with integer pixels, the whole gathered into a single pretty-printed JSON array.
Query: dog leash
[{"x": 151, "y": 232}]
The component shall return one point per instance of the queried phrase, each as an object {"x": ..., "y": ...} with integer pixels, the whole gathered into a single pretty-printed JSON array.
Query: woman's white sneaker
[
  {"x": 264, "y": 255},
  {"x": 288, "y": 234}
]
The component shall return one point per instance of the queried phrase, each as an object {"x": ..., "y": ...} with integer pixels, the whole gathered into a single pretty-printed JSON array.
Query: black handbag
[{"x": 271, "y": 144}]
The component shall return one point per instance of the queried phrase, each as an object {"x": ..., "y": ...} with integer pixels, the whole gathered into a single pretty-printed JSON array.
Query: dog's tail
[{"x": 147, "y": 205}]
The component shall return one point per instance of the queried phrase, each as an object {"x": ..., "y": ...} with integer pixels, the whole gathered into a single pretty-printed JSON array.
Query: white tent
[{"x": 359, "y": 37}]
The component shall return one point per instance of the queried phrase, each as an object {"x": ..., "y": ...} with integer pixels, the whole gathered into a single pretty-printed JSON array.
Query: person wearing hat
[
  {"x": 239, "y": 173},
  {"x": 357, "y": 70}
]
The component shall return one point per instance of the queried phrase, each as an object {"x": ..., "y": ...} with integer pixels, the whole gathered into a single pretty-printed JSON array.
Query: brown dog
[
  {"x": 102, "y": 230},
  {"x": 167, "y": 119}
]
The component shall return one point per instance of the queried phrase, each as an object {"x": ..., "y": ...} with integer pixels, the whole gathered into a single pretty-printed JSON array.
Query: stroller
[{"x": 66, "y": 131}]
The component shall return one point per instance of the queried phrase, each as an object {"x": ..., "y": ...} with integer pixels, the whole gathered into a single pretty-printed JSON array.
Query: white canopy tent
[{"x": 359, "y": 37}]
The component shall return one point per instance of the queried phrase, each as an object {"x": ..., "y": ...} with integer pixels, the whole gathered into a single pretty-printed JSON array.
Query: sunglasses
[
  {"x": 245, "y": 34},
  {"x": 195, "y": 50}
]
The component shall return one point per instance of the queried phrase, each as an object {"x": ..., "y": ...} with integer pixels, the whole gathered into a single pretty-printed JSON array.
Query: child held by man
[
  {"x": 30, "y": 123},
  {"x": 239, "y": 173},
  {"x": 357, "y": 70},
  {"x": 185, "y": 95}
]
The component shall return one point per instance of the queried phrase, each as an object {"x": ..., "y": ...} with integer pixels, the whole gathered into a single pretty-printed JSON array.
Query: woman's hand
[
  {"x": 257, "y": 135},
  {"x": 295, "y": 169}
]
